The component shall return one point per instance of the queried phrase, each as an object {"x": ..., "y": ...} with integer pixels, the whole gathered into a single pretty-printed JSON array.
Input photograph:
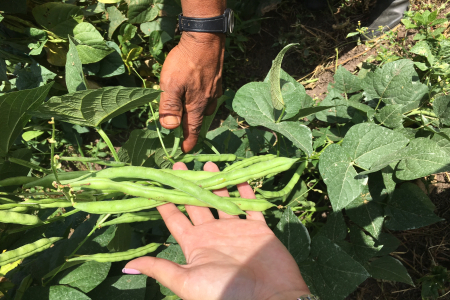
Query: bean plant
[{"x": 333, "y": 178}]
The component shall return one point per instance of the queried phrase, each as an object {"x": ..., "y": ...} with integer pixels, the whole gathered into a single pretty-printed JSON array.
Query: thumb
[
  {"x": 168, "y": 273},
  {"x": 171, "y": 107}
]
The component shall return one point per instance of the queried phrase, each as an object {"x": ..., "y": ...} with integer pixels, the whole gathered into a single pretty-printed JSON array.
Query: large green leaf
[
  {"x": 112, "y": 64},
  {"x": 339, "y": 112},
  {"x": 91, "y": 47},
  {"x": 93, "y": 107},
  {"x": 330, "y": 272},
  {"x": 175, "y": 254},
  {"x": 115, "y": 18},
  {"x": 74, "y": 70},
  {"x": 362, "y": 245},
  {"x": 441, "y": 107},
  {"x": 366, "y": 143},
  {"x": 33, "y": 77},
  {"x": 54, "y": 292},
  {"x": 166, "y": 24},
  {"x": 443, "y": 139},
  {"x": 389, "y": 268},
  {"x": 120, "y": 287},
  {"x": 409, "y": 208},
  {"x": 335, "y": 228},
  {"x": 59, "y": 18},
  {"x": 9, "y": 169},
  {"x": 140, "y": 147},
  {"x": 423, "y": 49},
  {"x": 87, "y": 276},
  {"x": 294, "y": 235},
  {"x": 367, "y": 213},
  {"x": 253, "y": 102},
  {"x": 339, "y": 175},
  {"x": 274, "y": 78},
  {"x": 391, "y": 116},
  {"x": 346, "y": 82},
  {"x": 14, "y": 107},
  {"x": 140, "y": 11}
]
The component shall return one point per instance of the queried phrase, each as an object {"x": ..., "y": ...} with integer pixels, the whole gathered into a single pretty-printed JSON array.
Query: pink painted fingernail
[{"x": 130, "y": 271}]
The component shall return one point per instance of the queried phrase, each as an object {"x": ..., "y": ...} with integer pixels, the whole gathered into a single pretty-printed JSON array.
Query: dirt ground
[{"x": 322, "y": 38}]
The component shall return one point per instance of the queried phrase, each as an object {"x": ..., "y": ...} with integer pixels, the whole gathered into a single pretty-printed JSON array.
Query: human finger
[
  {"x": 198, "y": 215},
  {"x": 245, "y": 190},
  {"x": 223, "y": 192},
  {"x": 211, "y": 108},
  {"x": 170, "y": 105},
  {"x": 192, "y": 124}
]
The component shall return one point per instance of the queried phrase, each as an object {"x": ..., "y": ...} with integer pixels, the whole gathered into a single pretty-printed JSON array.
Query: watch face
[{"x": 230, "y": 20}]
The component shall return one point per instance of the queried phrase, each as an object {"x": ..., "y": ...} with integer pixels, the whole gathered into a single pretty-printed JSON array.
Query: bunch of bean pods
[{"x": 128, "y": 192}]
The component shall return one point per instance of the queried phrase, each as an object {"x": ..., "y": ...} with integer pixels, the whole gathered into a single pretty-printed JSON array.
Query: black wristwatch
[{"x": 220, "y": 24}]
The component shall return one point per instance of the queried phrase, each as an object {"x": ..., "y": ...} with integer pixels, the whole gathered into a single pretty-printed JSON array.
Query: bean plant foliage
[{"x": 73, "y": 71}]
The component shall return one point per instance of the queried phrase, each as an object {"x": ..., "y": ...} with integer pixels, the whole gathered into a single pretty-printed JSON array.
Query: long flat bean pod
[
  {"x": 119, "y": 256},
  {"x": 288, "y": 188},
  {"x": 134, "y": 217},
  {"x": 27, "y": 250},
  {"x": 221, "y": 180},
  {"x": 169, "y": 179},
  {"x": 94, "y": 160},
  {"x": 117, "y": 206},
  {"x": 164, "y": 195},
  {"x": 20, "y": 180},
  {"x": 19, "y": 209},
  {"x": 21, "y": 204},
  {"x": 207, "y": 157},
  {"x": 249, "y": 161},
  {"x": 48, "y": 180},
  {"x": 16, "y": 218}
]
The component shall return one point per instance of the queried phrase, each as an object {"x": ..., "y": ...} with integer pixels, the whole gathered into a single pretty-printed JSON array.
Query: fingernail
[
  {"x": 172, "y": 120},
  {"x": 130, "y": 271}
]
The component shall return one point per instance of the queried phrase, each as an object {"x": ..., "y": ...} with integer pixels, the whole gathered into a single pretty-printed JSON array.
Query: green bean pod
[
  {"x": 94, "y": 160},
  {"x": 19, "y": 209},
  {"x": 258, "y": 170},
  {"x": 176, "y": 182},
  {"x": 134, "y": 217},
  {"x": 20, "y": 180},
  {"x": 16, "y": 218},
  {"x": 21, "y": 204},
  {"x": 288, "y": 188},
  {"x": 48, "y": 180},
  {"x": 207, "y": 157},
  {"x": 27, "y": 250},
  {"x": 55, "y": 204},
  {"x": 119, "y": 256},
  {"x": 117, "y": 206},
  {"x": 164, "y": 195},
  {"x": 24, "y": 285},
  {"x": 249, "y": 161}
]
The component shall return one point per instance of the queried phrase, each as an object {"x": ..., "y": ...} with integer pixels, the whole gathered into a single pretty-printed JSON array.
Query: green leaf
[
  {"x": 252, "y": 102},
  {"x": 441, "y": 107},
  {"x": 335, "y": 228},
  {"x": 367, "y": 213},
  {"x": 339, "y": 175},
  {"x": 9, "y": 169},
  {"x": 207, "y": 120},
  {"x": 120, "y": 287},
  {"x": 275, "y": 91},
  {"x": 33, "y": 77},
  {"x": 339, "y": 111},
  {"x": 115, "y": 18},
  {"x": 409, "y": 208},
  {"x": 74, "y": 70},
  {"x": 54, "y": 292},
  {"x": 308, "y": 111},
  {"x": 362, "y": 245},
  {"x": 397, "y": 83},
  {"x": 29, "y": 135},
  {"x": 331, "y": 272},
  {"x": 112, "y": 64},
  {"x": 294, "y": 235},
  {"x": 91, "y": 47},
  {"x": 93, "y": 107},
  {"x": 366, "y": 143},
  {"x": 391, "y": 116},
  {"x": 443, "y": 139},
  {"x": 345, "y": 82},
  {"x": 166, "y": 24},
  {"x": 389, "y": 242},
  {"x": 87, "y": 276},
  {"x": 14, "y": 107},
  {"x": 389, "y": 268},
  {"x": 140, "y": 11},
  {"x": 423, "y": 49},
  {"x": 3, "y": 70},
  {"x": 128, "y": 31},
  {"x": 59, "y": 18},
  {"x": 122, "y": 238},
  {"x": 140, "y": 147}
]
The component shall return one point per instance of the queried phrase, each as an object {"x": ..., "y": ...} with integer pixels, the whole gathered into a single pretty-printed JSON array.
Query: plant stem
[
  {"x": 29, "y": 165},
  {"x": 52, "y": 142},
  {"x": 52, "y": 220},
  {"x": 212, "y": 147},
  {"x": 154, "y": 117},
  {"x": 176, "y": 143},
  {"x": 282, "y": 114},
  {"x": 108, "y": 142}
]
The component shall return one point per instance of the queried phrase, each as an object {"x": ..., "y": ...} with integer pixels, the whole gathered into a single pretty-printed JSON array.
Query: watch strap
[{"x": 215, "y": 24}]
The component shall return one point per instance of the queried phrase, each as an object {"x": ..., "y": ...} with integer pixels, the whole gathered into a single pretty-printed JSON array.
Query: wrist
[{"x": 198, "y": 9}]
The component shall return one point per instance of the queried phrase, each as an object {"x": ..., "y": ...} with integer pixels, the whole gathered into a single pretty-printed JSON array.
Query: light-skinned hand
[{"x": 227, "y": 258}]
